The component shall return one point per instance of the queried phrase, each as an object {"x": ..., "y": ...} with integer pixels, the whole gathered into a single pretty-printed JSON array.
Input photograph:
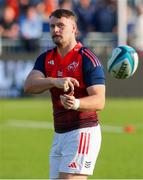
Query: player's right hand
[{"x": 66, "y": 83}]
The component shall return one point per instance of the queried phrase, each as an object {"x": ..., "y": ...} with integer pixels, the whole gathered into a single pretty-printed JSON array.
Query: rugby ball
[{"x": 123, "y": 62}]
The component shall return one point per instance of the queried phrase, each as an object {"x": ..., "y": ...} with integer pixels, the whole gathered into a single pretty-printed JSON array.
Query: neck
[{"x": 64, "y": 49}]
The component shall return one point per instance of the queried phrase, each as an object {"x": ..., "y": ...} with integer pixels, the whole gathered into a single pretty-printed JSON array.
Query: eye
[{"x": 61, "y": 25}]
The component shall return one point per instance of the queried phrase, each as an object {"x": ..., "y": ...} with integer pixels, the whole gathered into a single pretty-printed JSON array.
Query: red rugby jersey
[{"x": 81, "y": 64}]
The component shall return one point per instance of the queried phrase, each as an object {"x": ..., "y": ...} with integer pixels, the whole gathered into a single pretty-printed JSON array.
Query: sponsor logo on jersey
[
  {"x": 73, "y": 66},
  {"x": 59, "y": 73}
]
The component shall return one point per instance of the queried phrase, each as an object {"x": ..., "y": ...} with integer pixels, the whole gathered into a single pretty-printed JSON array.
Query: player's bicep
[
  {"x": 96, "y": 90},
  {"x": 31, "y": 79},
  {"x": 35, "y": 74}
]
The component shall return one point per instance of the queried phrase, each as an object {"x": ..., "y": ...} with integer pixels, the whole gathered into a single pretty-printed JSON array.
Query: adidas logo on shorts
[{"x": 72, "y": 165}]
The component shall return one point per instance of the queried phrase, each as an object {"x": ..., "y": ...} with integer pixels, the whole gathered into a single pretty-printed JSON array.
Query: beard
[{"x": 57, "y": 39}]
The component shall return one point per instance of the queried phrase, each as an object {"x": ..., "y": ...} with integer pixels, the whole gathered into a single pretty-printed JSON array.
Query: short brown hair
[{"x": 58, "y": 13}]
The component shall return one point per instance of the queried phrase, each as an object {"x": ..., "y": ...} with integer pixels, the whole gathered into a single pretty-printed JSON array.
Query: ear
[{"x": 74, "y": 28}]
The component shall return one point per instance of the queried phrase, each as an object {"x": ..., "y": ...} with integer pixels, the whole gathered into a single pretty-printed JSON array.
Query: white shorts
[{"x": 75, "y": 151}]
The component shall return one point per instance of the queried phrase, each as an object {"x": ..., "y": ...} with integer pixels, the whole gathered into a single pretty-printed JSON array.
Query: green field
[{"x": 26, "y": 135}]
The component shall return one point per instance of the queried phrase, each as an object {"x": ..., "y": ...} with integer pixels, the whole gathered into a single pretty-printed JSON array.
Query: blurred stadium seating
[{"x": 15, "y": 63}]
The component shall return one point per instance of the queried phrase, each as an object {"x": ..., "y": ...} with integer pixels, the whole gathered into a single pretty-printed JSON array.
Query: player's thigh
[
  {"x": 55, "y": 158},
  {"x": 72, "y": 176},
  {"x": 54, "y": 167}
]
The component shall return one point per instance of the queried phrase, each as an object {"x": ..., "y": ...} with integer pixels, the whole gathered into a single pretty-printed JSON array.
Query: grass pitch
[{"x": 26, "y": 135}]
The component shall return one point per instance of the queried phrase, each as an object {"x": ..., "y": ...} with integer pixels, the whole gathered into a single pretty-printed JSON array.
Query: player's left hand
[{"x": 67, "y": 101}]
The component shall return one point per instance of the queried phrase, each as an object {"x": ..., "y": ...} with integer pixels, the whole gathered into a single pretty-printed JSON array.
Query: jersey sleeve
[
  {"x": 40, "y": 63},
  {"x": 93, "y": 71}
]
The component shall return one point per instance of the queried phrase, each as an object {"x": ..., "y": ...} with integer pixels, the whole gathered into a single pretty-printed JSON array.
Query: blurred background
[
  {"x": 26, "y": 122},
  {"x": 103, "y": 24}
]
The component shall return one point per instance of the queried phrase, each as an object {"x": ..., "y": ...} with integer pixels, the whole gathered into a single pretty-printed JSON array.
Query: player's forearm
[
  {"x": 38, "y": 85},
  {"x": 89, "y": 103},
  {"x": 92, "y": 103}
]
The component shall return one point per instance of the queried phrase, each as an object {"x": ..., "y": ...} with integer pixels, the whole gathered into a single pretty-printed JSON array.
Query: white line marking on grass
[
  {"x": 113, "y": 129},
  {"x": 49, "y": 125},
  {"x": 30, "y": 124}
]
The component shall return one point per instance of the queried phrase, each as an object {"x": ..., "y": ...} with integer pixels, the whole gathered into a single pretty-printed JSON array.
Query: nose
[{"x": 56, "y": 29}]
